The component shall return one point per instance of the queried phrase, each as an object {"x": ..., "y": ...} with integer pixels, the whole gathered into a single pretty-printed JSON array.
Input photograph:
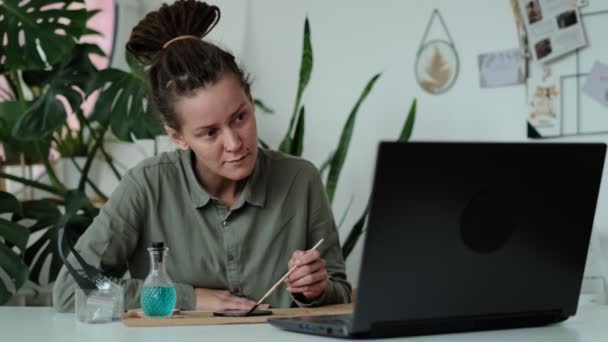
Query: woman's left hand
[{"x": 310, "y": 276}]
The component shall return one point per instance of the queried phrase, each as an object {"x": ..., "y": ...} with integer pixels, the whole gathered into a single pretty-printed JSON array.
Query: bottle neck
[
  {"x": 157, "y": 260},
  {"x": 158, "y": 266}
]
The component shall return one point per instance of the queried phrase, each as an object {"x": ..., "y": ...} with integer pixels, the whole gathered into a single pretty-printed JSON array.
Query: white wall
[{"x": 354, "y": 39}]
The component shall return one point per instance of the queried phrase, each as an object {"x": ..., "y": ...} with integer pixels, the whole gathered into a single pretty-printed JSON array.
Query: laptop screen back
[{"x": 474, "y": 229}]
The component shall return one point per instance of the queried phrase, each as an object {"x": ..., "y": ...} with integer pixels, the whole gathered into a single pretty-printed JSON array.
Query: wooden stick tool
[{"x": 283, "y": 278}]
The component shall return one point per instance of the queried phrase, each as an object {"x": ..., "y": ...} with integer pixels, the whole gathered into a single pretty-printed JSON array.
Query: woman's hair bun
[{"x": 181, "y": 18}]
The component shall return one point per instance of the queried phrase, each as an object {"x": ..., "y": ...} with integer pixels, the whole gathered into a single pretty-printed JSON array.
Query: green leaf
[
  {"x": 42, "y": 25},
  {"x": 344, "y": 215},
  {"x": 340, "y": 155},
  {"x": 263, "y": 144},
  {"x": 408, "y": 127},
  {"x": 9, "y": 204},
  {"x": 10, "y": 111},
  {"x": 14, "y": 267},
  {"x": 79, "y": 214},
  {"x": 34, "y": 184},
  {"x": 324, "y": 166},
  {"x": 305, "y": 71},
  {"x": 35, "y": 249},
  {"x": 70, "y": 79},
  {"x": 124, "y": 106},
  {"x": 5, "y": 294},
  {"x": 15, "y": 233},
  {"x": 75, "y": 201},
  {"x": 41, "y": 210},
  {"x": 258, "y": 103},
  {"x": 297, "y": 146},
  {"x": 355, "y": 233}
]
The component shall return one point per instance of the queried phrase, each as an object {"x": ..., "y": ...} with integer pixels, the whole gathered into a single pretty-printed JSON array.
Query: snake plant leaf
[
  {"x": 123, "y": 104},
  {"x": 408, "y": 127},
  {"x": 359, "y": 227},
  {"x": 297, "y": 146},
  {"x": 346, "y": 211},
  {"x": 48, "y": 29},
  {"x": 325, "y": 165},
  {"x": 355, "y": 233},
  {"x": 259, "y": 104},
  {"x": 305, "y": 71},
  {"x": 340, "y": 155},
  {"x": 69, "y": 79},
  {"x": 263, "y": 143}
]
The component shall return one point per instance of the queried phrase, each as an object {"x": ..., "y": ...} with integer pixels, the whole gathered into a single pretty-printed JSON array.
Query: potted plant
[{"x": 293, "y": 140}]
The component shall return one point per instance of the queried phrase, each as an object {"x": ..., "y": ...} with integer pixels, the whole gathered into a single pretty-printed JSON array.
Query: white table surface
[{"x": 44, "y": 325}]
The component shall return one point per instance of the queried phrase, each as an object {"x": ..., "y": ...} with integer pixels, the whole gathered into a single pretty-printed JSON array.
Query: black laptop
[{"x": 471, "y": 236}]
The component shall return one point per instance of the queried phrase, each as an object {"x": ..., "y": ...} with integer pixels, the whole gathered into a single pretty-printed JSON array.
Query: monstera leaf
[
  {"x": 14, "y": 236},
  {"x": 13, "y": 148},
  {"x": 48, "y": 29},
  {"x": 123, "y": 105},
  {"x": 79, "y": 214},
  {"x": 69, "y": 79}
]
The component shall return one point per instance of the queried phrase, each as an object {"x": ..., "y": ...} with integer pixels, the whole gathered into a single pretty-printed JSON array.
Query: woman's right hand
[{"x": 221, "y": 300}]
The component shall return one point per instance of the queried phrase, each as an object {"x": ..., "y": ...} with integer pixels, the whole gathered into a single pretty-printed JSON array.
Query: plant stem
[
  {"x": 33, "y": 184},
  {"x": 48, "y": 167},
  {"x": 88, "y": 163},
  {"x": 84, "y": 120},
  {"x": 91, "y": 184}
]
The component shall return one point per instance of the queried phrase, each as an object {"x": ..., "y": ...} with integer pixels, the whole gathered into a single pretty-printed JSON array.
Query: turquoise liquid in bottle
[
  {"x": 157, "y": 297},
  {"x": 158, "y": 301}
]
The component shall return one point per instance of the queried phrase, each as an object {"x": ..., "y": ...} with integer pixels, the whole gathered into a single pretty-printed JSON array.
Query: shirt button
[{"x": 224, "y": 223}]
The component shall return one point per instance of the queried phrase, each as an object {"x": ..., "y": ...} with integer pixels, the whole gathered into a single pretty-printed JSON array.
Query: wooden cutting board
[{"x": 135, "y": 318}]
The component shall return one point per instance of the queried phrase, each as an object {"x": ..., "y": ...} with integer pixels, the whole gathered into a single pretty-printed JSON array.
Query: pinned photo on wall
[
  {"x": 554, "y": 27},
  {"x": 544, "y": 105},
  {"x": 580, "y": 3},
  {"x": 596, "y": 85},
  {"x": 502, "y": 68}
]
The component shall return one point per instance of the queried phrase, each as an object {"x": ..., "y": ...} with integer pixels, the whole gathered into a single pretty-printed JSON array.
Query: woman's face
[{"x": 218, "y": 124}]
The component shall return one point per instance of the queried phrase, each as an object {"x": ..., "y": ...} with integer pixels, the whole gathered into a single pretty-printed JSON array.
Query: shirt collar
[{"x": 254, "y": 192}]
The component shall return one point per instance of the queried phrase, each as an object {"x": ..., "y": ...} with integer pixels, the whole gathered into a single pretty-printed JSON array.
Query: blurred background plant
[
  {"x": 48, "y": 76},
  {"x": 331, "y": 168}
]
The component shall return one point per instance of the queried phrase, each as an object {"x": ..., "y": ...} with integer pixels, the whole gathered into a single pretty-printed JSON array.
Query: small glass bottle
[{"x": 158, "y": 292}]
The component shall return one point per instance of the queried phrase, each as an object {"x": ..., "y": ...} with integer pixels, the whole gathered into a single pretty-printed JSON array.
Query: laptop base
[{"x": 339, "y": 326}]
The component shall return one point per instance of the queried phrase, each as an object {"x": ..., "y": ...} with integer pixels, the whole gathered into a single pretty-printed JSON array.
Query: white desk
[{"x": 44, "y": 325}]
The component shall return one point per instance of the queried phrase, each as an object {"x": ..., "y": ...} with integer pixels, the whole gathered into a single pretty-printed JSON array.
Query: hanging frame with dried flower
[{"x": 437, "y": 62}]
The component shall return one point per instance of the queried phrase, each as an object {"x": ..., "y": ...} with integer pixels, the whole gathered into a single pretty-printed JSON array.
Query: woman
[{"x": 234, "y": 216}]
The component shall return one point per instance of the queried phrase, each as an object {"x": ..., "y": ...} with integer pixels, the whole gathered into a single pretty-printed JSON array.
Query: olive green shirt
[{"x": 244, "y": 249}]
